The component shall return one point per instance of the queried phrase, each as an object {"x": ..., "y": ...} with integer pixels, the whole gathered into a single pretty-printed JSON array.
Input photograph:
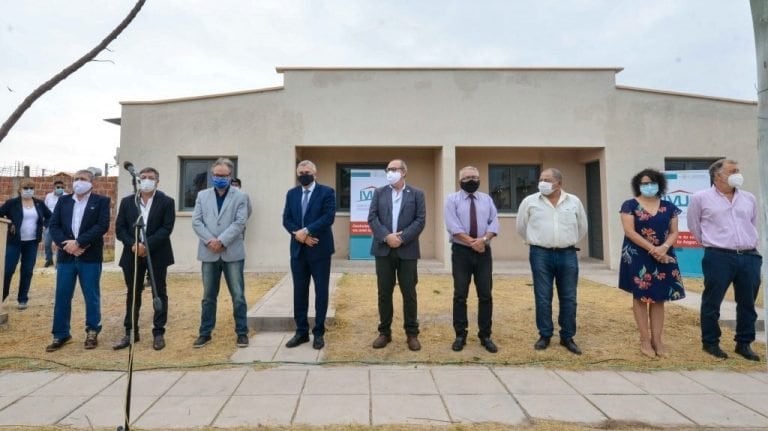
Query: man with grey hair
[
  {"x": 77, "y": 227},
  {"x": 552, "y": 222},
  {"x": 723, "y": 219},
  {"x": 219, "y": 219}
]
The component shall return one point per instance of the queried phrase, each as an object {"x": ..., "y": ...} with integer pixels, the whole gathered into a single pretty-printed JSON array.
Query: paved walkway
[{"x": 300, "y": 391}]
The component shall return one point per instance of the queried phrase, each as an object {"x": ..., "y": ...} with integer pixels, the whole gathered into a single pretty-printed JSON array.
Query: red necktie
[{"x": 472, "y": 217}]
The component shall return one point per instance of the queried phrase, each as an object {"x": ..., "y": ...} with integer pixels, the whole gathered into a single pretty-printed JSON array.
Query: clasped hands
[
  {"x": 394, "y": 240},
  {"x": 303, "y": 236},
  {"x": 660, "y": 254},
  {"x": 215, "y": 245},
  {"x": 139, "y": 249},
  {"x": 72, "y": 247}
]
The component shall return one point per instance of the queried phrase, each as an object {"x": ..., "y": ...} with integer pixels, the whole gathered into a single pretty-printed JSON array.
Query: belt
[
  {"x": 732, "y": 251},
  {"x": 573, "y": 247}
]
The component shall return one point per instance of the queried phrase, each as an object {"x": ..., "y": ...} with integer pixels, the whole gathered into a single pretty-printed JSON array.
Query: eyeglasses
[
  {"x": 27, "y": 188},
  {"x": 393, "y": 169},
  {"x": 220, "y": 176},
  {"x": 475, "y": 178}
]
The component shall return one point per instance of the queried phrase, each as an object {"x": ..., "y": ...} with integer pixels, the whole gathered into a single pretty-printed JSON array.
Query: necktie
[
  {"x": 472, "y": 217},
  {"x": 304, "y": 202}
]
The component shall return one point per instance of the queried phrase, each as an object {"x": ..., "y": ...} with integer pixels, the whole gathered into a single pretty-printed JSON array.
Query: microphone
[{"x": 129, "y": 167}]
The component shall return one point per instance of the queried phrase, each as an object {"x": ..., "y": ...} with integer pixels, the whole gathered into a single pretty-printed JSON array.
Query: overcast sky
[{"x": 178, "y": 48}]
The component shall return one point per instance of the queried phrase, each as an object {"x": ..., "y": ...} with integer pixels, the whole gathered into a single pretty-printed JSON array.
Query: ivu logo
[{"x": 366, "y": 195}]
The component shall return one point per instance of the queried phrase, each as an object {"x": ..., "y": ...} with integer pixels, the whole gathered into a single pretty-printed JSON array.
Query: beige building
[{"x": 509, "y": 122}]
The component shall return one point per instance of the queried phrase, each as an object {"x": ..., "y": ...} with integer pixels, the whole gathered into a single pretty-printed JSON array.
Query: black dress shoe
[
  {"x": 569, "y": 344},
  {"x": 458, "y": 343},
  {"x": 714, "y": 350},
  {"x": 744, "y": 350},
  {"x": 318, "y": 342},
  {"x": 58, "y": 343},
  {"x": 159, "y": 342},
  {"x": 489, "y": 345},
  {"x": 542, "y": 343},
  {"x": 122, "y": 344},
  {"x": 297, "y": 340}
]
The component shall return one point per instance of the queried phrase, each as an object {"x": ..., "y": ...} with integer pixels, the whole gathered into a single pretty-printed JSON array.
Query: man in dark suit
[
  {"x": 78, "y": 225},
  {"x": 158, "y": 212},
  {"x": 396, "y": 216},
  {"x": 309, "y": 212}
]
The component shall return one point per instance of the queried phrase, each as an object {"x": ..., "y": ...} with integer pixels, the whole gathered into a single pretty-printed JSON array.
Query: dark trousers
[
  {"x": 26, "y": 251},
  {"x": 388, "y": 270},
  {"x": 561, "y": 267},
  {"x": 319, "y": 271},
  {"x": 160, "y": 317},
  {"x": 720, "y": 270},
  {"x": 468, "y": 263}
]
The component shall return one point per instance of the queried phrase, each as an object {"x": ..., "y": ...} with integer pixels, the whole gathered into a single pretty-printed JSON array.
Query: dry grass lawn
[
  {"x": 22, "y": 345},
  {"x": 606, "y": 329},
  {"x": 697, "y": 285}
]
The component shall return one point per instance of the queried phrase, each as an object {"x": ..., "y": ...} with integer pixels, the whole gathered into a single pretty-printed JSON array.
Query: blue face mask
[
  {"x": 649, "y": 190},
  {"x": 220, "y": 183}
]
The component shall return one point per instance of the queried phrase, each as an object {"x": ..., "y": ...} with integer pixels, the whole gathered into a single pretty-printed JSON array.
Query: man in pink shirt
[{"x": 723, "y": 219}]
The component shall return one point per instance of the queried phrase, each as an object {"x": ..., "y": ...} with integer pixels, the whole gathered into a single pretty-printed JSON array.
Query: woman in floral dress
[{"x": 649, "y": 267}]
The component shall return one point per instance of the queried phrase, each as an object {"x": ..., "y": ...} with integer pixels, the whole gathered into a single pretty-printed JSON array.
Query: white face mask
[
  {"x": 735, "y": 180},
  {"x": 393, "y": 177},
  {"x": 545, "y": 188},
  {"x": 82, "y": 187},
  {"x": 147, "y": 185},
  {"x": 27, "y": 193}
]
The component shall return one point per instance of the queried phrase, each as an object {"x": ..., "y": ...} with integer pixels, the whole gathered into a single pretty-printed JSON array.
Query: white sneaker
[{"x": 22, "y": 306}]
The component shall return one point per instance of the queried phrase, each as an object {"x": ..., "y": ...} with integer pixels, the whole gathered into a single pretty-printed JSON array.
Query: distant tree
[{"x": 39, "y": 91}]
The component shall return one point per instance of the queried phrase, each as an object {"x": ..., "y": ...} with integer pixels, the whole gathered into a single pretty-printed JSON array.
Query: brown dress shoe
[
  {"x": 413, "y": 343},
  {"x": 91, "y": 340},
  {"x": 381, "y": 341}
]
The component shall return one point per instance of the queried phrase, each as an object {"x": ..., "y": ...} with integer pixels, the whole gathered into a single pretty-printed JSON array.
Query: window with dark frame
[
  {"x": 343, "y": 175},
  {"x": 680, "y": 164},
  {"x": 508, "y": 185},
  {"x": 195, "y": 176}
]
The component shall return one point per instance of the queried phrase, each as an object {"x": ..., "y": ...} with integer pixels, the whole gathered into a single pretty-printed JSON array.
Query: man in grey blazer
[
  {"x": 396, "y": 216},
  {"x": 219, "y": 221}
]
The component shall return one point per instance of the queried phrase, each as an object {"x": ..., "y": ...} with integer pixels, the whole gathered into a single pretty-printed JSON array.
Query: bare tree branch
[{"x": 46, "y": 86}]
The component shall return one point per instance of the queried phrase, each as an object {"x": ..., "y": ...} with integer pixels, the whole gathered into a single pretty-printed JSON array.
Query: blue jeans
[
  {"x": 67, "y": 273},
  {"x": 720, "y": 270},
  {"x": 47, "y": 241},
  {"x": 233, "y": 274},
  {"x": 27, "y": 251},
  {"x": 562, "y": 267}
]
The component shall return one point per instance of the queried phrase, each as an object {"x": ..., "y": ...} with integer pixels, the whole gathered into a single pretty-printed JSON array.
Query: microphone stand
[{"x": 140, "y": 232}]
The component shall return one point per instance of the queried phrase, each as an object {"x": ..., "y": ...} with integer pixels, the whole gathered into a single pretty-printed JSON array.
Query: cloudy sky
[{"x": 178, "y": 48}]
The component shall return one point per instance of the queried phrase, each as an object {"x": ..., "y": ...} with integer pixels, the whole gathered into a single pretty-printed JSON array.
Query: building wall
[{"x": 438, "y": 121}]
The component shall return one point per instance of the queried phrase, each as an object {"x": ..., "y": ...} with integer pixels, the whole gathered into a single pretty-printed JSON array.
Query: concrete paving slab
[
  {"x": 181, "y": 412},
  {"x": 255, "y": 410},
  {"x": 106, "y": 411},
  {"x": 645, "y": 409},
  {"x": 333, "y": 409},
  {"x": 145, "y": 383},
  {"x": 408, "y": 409},
  {"x": 566, "y": 408},
  {"x": 337, "y": 381},
  {"x": 533, "y": 381},
  {"x": 78, "y": 384},
  {"x": 726, "y": 382},
  {"x": 16, "y": 384},
  {"x": 270, "y": 339},
  {"x": 664, "y": 382},
  {"x": 302, "y": 353},
  {"x": 756, "y": 402},
  {"x": 713, "y": 410},
  {"x": 208, "y": 383},
  {"x": 403, "y": 381},
  {"x": 28, "y": 411},
  {"x": 272, "y": 382},
  {"x": 467, "y": 380},
  {"x": 5, "y": 401},
  {"x": 474, "y": 408},
  {"x": 599, "y": 382},
  {"x": 254, "y": 354},
  {"x": 763, "y": 377}
]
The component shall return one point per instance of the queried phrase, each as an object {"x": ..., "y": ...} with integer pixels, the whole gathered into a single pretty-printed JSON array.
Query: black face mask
[
  {"x": 470, "y": 186},
  {"x": 306, "y": 179}
]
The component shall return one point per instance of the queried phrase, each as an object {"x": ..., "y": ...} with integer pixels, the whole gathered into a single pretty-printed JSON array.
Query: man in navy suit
[
  {"x": 309, "y": 212},
  {"x": 158, "y": 212},
  {"x": 77, "y": 227},
  {"x": 397, "y": 216}
]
